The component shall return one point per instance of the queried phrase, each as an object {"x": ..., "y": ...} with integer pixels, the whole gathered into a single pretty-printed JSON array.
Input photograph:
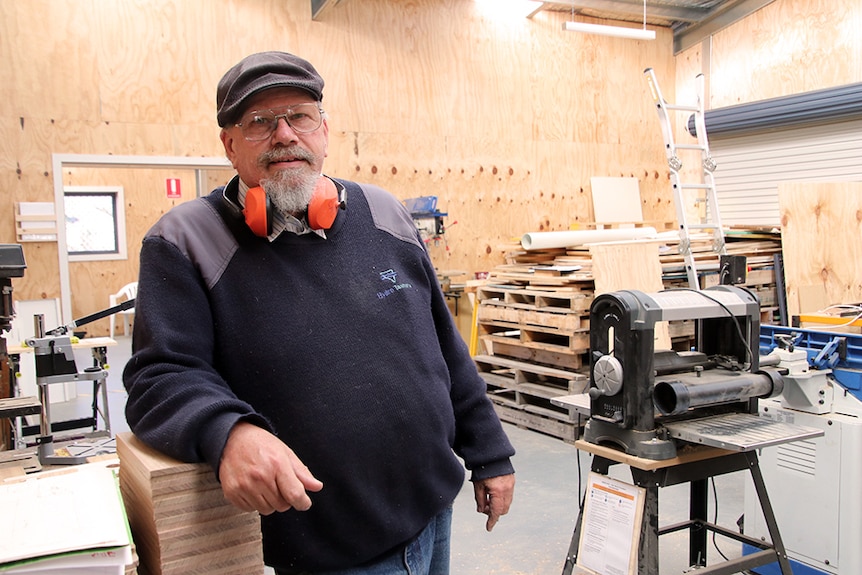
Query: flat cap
[{"x": 259, "y": 72}]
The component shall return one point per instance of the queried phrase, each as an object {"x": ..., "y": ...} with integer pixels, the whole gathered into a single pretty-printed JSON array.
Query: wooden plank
[
  {"x": 17, "y": 406},
  {"x": 561, "y": 321},
  {"x": 497, "y": 361},
  {"x": 753, "y": 278},
  {"x": 536, "y": 403},
  {"x": 528, "y": 278},
  {"x": 564, "y": 299},
  {"x": 567, "y": 431},
  {"x": 680, "y": 329},
  {"x": 535, "y": 336},
  {"x": 631, "y": 265},
  {"x": 530, "y": 377},
  {"x": 687, "y": 454},
  {"x": 562, "y": 358}
]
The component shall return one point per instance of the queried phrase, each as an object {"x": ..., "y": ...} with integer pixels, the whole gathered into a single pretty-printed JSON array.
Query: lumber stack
[
  {"x": 180, "y": 520},
  {"x": 533, "y": 329},
  {"x": 533, "y": 315}
]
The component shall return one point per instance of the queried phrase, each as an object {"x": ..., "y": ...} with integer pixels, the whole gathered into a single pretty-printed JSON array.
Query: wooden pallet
[
  {"x": 681, "y": 330},
  {"x": 530, "y": 378},
  {"x": 563, "y": 359},
  {"x": 536, "y": 336},
  {"x": 760, "y": 281},
  {"x": 522, "y": 394},
  {"x": 561, "y": 300},
  {"x": 546, "y": 326},
  {"x": 565, "y": 430},
  {"x": 562, "y": 321}
]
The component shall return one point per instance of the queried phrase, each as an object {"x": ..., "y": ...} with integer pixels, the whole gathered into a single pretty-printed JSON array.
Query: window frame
[{"x": 119, "y": 223}]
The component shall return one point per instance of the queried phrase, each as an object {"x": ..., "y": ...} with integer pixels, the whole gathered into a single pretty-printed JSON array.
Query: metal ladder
[{"x": 711, "y": 219}]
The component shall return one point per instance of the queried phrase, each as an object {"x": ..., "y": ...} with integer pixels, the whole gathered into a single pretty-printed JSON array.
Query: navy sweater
[{"x": 343, "y": 347}]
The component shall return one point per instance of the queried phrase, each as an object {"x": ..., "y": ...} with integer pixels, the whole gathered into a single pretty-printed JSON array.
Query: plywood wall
[
  {"x": 785, "y": 48},
  {"x": 504, "y": 119},
  {"x": 821, "y": 231}
]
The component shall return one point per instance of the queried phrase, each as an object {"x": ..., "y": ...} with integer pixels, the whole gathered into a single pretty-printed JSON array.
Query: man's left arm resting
[{"x": 494, "y": 497}]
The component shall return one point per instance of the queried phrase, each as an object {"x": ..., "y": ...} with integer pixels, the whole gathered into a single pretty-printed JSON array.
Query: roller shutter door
[{"x": 751, "y": 166}]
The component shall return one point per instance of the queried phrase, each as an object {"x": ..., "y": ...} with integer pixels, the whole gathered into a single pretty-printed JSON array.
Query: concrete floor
[{"x": 534, "y": 537}]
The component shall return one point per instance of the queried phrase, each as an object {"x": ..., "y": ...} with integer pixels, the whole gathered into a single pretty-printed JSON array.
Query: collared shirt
[{"x": 281, "y": 222}]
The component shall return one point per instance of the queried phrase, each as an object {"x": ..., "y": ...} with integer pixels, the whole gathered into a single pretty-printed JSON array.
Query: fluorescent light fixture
[{"x": 618, "y": 31}]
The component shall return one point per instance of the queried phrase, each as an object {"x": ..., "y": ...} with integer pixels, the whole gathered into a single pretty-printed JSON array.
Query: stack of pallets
[{"x": 534, "y": 338}]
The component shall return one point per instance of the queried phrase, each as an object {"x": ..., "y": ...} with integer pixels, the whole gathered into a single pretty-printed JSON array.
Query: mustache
[{"x": 285, "y": 154}]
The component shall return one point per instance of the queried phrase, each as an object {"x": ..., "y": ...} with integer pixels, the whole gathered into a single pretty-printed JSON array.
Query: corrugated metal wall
[{"x": 751, "y": 166}]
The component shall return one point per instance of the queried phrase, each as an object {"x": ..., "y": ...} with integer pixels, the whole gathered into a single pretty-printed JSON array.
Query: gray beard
[{"x": 290, "y": 190}]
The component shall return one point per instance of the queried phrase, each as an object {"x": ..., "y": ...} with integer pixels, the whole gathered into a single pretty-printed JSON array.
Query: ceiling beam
[
  {"x": 717, "y": 20},
  {"x": 630, "y": 9},
  {"x": 538, "y": 9},
  {"x": 319, "y": 6}
]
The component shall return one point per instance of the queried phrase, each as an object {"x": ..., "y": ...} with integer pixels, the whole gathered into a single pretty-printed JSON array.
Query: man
[{"x": 306, "y": 351}]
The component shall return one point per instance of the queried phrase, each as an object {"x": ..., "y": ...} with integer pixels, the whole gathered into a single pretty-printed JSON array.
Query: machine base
[{"x": 644, "y": 444}]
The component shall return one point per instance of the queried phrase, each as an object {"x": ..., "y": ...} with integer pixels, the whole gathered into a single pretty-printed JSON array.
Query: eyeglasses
[{"x": 260, "y": 124}]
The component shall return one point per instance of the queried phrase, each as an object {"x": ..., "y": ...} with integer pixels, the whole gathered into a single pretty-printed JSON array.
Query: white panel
[
  {"x": 616, "y": 200},
  {"x": 750, "y": 167},
  {"x": 816, "y": 498}
]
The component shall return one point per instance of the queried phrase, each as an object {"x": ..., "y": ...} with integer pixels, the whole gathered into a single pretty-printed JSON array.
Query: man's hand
[
  {"x": 493, "y": 497},
  {"x": 258, "y": 472}
]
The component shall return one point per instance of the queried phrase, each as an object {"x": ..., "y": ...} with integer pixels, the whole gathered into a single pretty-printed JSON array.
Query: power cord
[
  {"x": 733, "y": 318},
  {"x": 854, "y": 308}
]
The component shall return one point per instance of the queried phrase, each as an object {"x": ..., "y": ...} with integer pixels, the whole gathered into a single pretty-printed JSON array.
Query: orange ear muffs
[
  {"x": 258, "y": 212},
  {"x": 324, "y": 205},
  {"x": 322, "y": 209}
]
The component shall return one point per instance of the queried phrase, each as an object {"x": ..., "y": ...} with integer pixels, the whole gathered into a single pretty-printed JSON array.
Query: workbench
[{"x": 451, "y": 290}]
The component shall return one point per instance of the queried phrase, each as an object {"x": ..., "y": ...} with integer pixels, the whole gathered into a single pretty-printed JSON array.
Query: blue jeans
[{"x": 425, "y": 554}]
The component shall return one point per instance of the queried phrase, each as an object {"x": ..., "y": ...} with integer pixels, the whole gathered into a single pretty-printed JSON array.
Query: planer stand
[{"x": 695, "y": 466}]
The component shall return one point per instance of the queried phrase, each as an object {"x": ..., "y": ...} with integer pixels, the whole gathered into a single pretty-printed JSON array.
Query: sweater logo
[{"x": 391, "y": 276}]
